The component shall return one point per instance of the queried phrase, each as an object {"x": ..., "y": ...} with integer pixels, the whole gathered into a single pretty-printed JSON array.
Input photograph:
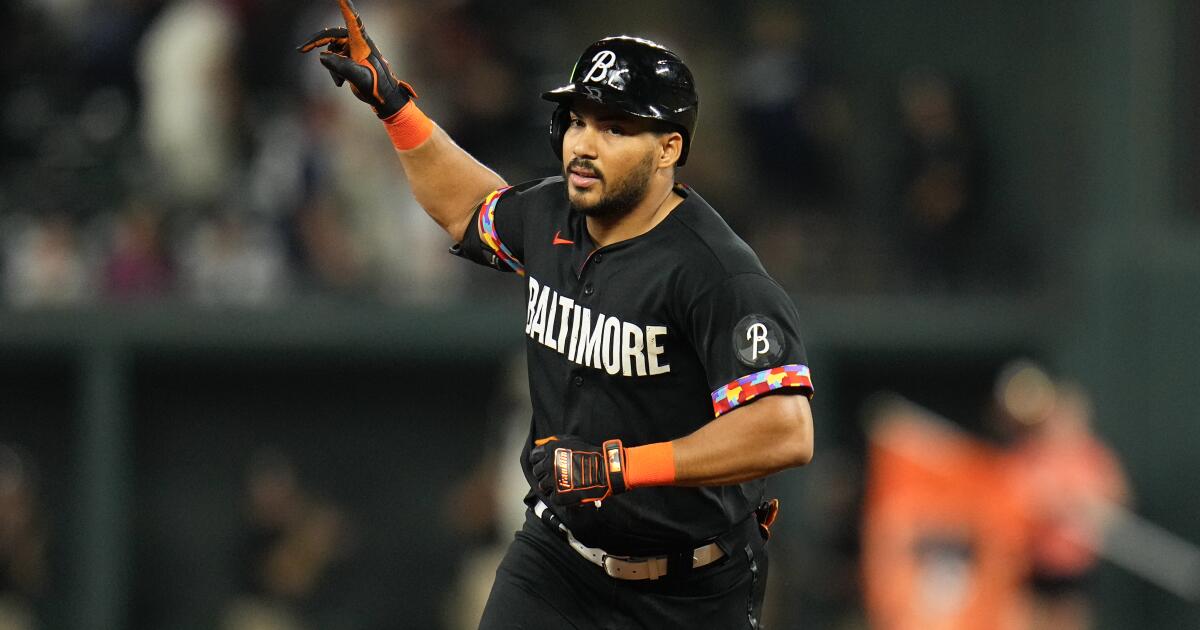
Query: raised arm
[{"x": 445, "y": 179}]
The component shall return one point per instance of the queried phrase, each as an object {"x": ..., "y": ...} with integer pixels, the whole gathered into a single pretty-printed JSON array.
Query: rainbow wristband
[
  {"x": 408, "y": 128},
  {"x": 650, "y": 465}
]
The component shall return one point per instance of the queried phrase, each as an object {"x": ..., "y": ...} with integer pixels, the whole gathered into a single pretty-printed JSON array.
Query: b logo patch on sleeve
[{"x": 757, "y": 341}]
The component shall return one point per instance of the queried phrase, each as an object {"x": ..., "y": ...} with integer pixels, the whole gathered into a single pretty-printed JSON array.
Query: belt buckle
[
  {"x": 614, "y": 571},
  {"x": 610, "y": 568},
  {"x": 648, "y": 567}
]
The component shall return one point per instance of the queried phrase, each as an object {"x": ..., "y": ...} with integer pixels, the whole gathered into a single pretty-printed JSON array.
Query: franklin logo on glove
[{"x": 564, "y": 469}]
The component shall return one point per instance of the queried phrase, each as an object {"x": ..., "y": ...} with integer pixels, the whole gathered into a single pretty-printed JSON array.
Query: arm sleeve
[
  {"x": 747, "y": 334},
  {"x": 495, "y": 237}
]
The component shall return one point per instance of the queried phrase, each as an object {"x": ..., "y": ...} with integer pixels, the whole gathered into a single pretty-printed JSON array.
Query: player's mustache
[{"x": 585, "y": 165}]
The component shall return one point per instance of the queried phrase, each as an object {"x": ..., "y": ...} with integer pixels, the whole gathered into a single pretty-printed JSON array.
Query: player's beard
[{"x": 621, "y": 195}]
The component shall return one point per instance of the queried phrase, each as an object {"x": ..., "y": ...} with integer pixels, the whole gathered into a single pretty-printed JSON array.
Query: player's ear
[{"x": 670, "y": 147}]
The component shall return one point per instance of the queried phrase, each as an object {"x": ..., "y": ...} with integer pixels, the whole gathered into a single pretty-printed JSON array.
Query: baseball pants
[{"x": 544, "y": 584}]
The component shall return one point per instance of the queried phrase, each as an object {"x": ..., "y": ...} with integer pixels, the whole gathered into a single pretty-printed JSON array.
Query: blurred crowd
[
  {"x": 181, "y": 149},
  {"x": 184, "y": 149}
]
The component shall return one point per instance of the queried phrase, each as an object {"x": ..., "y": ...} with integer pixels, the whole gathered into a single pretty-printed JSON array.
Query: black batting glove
[
  {"x": 569, "y": 471},
  {"x": 352, "y": 56}
]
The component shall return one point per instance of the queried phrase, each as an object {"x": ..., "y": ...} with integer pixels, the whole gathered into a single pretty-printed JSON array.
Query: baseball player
[{"x": 667, "y": 373}]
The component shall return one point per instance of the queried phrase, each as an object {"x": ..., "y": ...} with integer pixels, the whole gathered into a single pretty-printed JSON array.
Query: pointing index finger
[
  {"x": 359, "y": 49},
  {"x": 327, "y": 36}
]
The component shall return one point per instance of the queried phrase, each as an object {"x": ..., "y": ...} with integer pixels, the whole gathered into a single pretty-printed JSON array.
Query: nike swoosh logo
[{"x": 559, "y": 240}]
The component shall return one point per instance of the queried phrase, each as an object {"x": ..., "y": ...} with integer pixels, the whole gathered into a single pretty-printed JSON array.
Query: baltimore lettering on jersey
[{"x": 592, "y": 339}]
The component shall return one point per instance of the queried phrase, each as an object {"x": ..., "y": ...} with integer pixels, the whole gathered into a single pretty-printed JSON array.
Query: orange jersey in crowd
[{"x": 944, "y": 532}]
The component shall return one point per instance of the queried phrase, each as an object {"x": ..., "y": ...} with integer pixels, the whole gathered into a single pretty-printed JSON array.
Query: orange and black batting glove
[
  {"x": 569, "y": 471},
  {"x": 352, "y": 57}
]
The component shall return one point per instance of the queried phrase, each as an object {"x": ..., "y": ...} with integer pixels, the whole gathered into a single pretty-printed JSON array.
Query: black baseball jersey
[{"x": 645, "y": 340}]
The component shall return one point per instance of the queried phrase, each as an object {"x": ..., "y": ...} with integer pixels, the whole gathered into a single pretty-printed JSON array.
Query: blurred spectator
[
  {"x": 137, "y": 266},
  {"x": 815, "y": 578},
  {"x": 108, "y": 38},
  {"x": 292, "y": 541},
  {"x": 22, "y": 543},
  {"x": 482, "y": 94},
  {"x": 1068, "y": 477},
  {"x": 262, "y": 65},
  {"x": 794, "y": 123},
  {"x": 230, "y": 260},
  {"x": 31, "y": 95},
  {"x": 959, "y": 533},
  {"x": 330, "y": 258},
  {"x": 779, "y": 109},
  {"x": 44, "y": 263},
  {"x": 185, "y": 64},
  {"x": 939, "y": 213},
  {"x": 943, "y": 532},
  {"x": 486, "y": 507}
]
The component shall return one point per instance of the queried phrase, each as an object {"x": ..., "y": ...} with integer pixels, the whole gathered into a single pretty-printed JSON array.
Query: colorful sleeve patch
[
  {"x": 487, "y": 231},
  {"x": 747, "y": 388}
]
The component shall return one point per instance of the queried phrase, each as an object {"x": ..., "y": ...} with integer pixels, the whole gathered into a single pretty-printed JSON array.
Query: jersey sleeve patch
[
  {"x": 757, "y": 341},
  {"x": 487, "y": 231},
  {"x": 729, "y": 396}
]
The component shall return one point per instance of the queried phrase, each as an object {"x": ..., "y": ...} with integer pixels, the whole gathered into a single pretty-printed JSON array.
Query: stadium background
[{"x": 208, "y": 250}]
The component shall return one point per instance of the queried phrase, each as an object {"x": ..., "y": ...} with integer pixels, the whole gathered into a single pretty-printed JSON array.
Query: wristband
[
  {"x": 650, "y": 465},
  {"x": 409, "y": 127}
]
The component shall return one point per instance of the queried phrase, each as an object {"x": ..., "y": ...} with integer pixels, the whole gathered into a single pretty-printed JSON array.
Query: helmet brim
[
  {"x": 561, "y": 94},
  {"x": 567, "y": 94}
]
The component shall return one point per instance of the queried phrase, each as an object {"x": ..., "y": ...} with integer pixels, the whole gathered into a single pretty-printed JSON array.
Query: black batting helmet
[{"x": 636, "y": 76}]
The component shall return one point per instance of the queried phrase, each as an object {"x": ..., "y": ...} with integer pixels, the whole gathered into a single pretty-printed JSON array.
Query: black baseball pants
[{"x": 544, "y": 584}]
